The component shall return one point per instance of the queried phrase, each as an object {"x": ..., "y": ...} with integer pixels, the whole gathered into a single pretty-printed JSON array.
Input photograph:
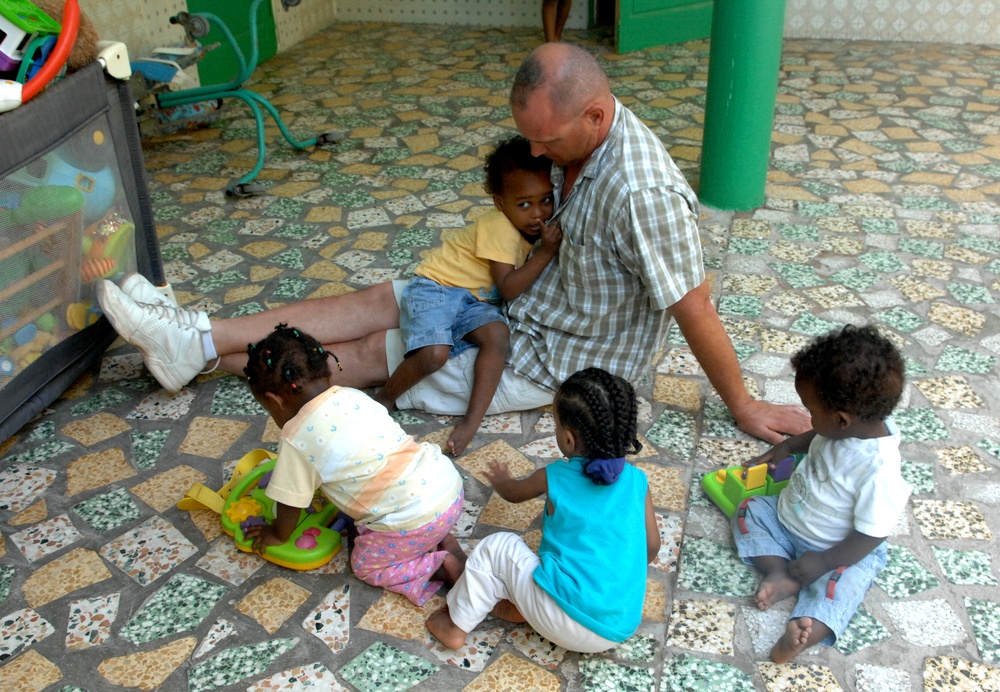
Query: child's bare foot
[
  {"x": 450, "y": 543},
  {"x": 444, "y": 630},
  {"x": 794, "y": 641},
  {"x": 460, "y": 437},
  {"x": 505, "y": 610},
  {"x": 451, "y": 569},
  {"x": 774, "y": 588}
]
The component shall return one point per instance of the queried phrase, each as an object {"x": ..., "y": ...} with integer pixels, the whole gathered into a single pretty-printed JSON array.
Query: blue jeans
[
  {"x": 835, "y": 596},
  {"x": 431, "y": 314}
]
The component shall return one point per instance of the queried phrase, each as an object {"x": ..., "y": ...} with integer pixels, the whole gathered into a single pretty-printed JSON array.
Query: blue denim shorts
[
  {"x": 431, "y": 314},
  {"x": 834, "y": 597}
]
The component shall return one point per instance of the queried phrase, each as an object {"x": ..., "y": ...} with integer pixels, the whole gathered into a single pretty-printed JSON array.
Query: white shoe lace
[
  {"x": 218, "y": 359},
  {"x": 184, "y": 317}
]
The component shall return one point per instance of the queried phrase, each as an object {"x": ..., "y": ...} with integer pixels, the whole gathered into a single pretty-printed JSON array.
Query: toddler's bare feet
[
  {"x": 460, "y": 437},
  {"x": 444, "y": 630},
  {"x": 450, "y": 543},
  {"x": 505, "y": 610},
  {"x": 454, "y": 562},
  {"x": 774, "y": 588},
  {"x": 450, "y": 570},
  {"x": 794, "y": 641}
]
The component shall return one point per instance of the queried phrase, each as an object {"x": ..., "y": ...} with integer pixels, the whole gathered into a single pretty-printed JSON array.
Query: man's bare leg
[
  {"x": 333, "y": 320},
  {"x": 363, "y": 362}
]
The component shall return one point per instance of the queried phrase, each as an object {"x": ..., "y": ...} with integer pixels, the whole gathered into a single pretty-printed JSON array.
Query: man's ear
[{"x": 595, "y": 114}]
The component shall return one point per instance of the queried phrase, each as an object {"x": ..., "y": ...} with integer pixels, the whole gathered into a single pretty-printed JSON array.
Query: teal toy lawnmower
[{"x": 197, "y": 25}]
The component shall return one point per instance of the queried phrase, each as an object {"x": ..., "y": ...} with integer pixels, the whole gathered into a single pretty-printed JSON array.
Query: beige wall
[
  {"x": 145, "y": 24},
  {"x": 947, "y": 21}
]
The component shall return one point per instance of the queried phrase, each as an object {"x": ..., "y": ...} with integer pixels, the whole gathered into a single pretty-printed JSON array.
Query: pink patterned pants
[{"x": 405, "y": 561}]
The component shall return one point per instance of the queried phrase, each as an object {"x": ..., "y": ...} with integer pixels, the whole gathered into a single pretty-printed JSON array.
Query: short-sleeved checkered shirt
[{"x": 630, "y": 250}]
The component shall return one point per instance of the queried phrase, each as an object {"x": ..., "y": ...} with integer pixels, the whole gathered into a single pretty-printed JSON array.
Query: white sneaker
[
  {"x": 141, "y": 290},
  {"x": 168, "y": 337}
]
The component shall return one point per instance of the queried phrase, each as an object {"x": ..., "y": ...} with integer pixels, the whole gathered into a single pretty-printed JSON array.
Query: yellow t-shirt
[{"x": 463, "y": 261}]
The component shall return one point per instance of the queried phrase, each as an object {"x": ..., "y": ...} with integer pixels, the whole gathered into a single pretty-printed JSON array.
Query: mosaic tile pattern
[
  {"x": 381, "y": 667},
  {"x": 881, "y": 206},
  {"x": 179, "y": 606}
]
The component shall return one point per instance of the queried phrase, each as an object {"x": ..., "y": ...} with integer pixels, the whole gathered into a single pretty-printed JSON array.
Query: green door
[
  {"x": 220, "y": 65},
  {"x": 645, "y": 23}
]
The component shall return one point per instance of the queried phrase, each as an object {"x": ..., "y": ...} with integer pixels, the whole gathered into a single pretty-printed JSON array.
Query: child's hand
[
  {"x": 551, "y": 235},
  {"x": 771, "y": 457},
  {"x": 497, "y": 473},
  {"x": 808, "y": 568},
  {"x": 262, "y": 536}
]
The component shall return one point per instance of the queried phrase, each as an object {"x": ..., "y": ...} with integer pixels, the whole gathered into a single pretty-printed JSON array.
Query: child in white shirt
[{"x": 823, "y": 537}]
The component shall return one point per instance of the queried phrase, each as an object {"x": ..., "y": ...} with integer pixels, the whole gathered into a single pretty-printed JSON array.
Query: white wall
[{"x": 936, "y": 21}]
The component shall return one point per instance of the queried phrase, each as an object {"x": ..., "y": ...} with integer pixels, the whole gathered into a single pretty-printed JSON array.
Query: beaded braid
[
  {"x": 602, "y": 409},
  {"x": 286, "y": 360}
]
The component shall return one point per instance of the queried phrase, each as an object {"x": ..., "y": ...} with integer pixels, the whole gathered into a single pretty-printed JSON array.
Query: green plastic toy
[
  {"x": 729, "y": 487},
  {"x": 311, "y": 545}
]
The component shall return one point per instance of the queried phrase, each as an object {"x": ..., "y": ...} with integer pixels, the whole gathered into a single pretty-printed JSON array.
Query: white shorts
[
  {"x": 447, "y": 391},
  {"x": 501, "y": 567}
]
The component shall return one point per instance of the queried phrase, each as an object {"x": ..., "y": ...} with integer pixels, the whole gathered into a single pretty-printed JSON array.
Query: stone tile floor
[{"x": 883, "y": 205}]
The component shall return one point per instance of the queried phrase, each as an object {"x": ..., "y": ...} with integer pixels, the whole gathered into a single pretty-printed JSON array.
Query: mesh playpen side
[{"x": 74, "y": 209}]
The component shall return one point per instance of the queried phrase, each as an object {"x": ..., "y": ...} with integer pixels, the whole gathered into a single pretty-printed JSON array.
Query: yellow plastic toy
[{"x": 312, "y": 544}]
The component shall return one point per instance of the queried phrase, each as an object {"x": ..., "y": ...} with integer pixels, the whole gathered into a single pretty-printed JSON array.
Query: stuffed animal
[{"x": 85, "y": 50}]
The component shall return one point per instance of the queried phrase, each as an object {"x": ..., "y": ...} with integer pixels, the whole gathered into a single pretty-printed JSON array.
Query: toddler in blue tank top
[{"x": 585, "y": 588}]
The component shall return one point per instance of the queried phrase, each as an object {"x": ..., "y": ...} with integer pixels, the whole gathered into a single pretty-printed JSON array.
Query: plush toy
[{"x": 85, "y": 50}]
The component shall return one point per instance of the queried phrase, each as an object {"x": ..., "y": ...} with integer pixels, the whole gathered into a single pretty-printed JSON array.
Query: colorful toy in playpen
[
  {"x": 23, "y": 26},
  {"x": 728, "y": 487},
  {"x": 16, "y": 13},
  {"x": 197, "y": 26},
  {"x": 241, "y": 503}
]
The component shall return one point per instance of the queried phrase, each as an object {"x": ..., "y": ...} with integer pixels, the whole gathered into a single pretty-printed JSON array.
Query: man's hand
[{"x": 771, "y": 422}]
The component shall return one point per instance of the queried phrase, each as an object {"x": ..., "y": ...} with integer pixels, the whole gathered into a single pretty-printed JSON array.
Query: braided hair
[
  {"x": 285, "y": 361},
  {"x": 601, "y": 408}
]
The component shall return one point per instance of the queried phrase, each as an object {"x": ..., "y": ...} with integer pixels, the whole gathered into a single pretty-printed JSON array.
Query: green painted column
[{"x": 744, "y": 58}]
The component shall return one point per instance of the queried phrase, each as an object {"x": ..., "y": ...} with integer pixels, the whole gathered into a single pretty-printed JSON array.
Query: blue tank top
[{"x": 593, "y": 550}]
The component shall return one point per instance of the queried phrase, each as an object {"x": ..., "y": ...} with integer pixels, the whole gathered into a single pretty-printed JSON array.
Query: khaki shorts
[{"x": 447, "y": 391}]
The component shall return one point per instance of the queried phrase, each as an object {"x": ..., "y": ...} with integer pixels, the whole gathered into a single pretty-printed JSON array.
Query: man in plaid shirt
[{"x": 630, "y": 261}]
